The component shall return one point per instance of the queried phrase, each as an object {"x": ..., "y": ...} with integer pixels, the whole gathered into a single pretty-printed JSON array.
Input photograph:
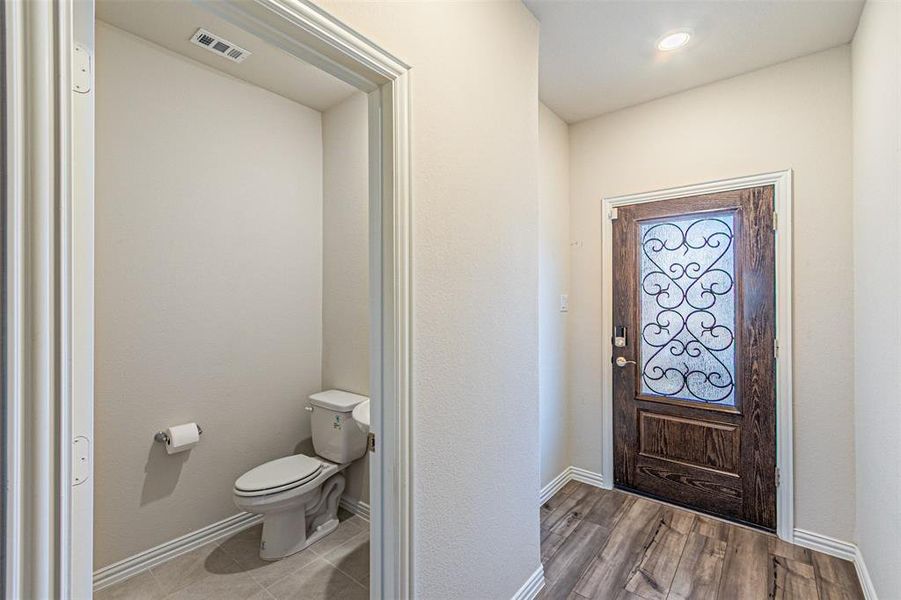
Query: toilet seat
[{"x": 278, "y": 475}]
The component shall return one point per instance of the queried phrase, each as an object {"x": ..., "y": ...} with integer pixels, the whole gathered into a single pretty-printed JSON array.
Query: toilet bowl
[{"x": 298, "y": 495}]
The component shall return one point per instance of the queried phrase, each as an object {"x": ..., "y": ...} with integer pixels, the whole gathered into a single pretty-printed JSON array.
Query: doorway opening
[
  {"x": 53, "y": 534},
  {"x": 697, "y": 403}
]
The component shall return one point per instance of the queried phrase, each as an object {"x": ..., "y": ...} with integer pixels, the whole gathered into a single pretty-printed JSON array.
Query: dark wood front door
[{"x": 694, "y": 398}]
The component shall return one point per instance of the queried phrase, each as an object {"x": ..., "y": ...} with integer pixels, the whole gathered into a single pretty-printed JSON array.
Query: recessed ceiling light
[{"x": 673, "y": 41}]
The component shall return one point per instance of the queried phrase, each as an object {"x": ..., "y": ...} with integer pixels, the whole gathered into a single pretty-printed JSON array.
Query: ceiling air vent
[{"x": 217, "y": 45}]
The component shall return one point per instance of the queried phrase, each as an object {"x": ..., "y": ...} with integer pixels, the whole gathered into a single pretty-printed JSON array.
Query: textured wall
[
  {"x": 553, "y": 275},
  {"x": 877, "y": 290},
  {"x": 345, "y": 259},
  {"x": 475, "y": 287},
  {"x": 208, "y": 287},
  {"x": 794, "y": 115}
]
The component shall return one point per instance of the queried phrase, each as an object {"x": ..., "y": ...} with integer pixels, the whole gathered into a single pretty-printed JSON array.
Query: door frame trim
[{"x": 782, "y": 183}]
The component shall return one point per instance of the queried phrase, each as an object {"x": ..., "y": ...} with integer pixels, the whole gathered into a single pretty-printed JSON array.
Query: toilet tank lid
[{"x": 337, "y": 400}]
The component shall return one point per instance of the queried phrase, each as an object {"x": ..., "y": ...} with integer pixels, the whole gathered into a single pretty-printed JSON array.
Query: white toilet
[{"x": 298, "y": 495}]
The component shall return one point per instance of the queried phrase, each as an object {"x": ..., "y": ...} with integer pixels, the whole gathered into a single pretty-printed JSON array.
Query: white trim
[
  {"x": 533, "y": 585},
  {"x": 131, "y": 566},
  {"x": 782, "y": 182},
  {"x": 589, "y": 477},
  {"x": 568, "y": 474},
  {"x": 839, "y": 549},
  {"x": 554, "y": 485},
  {"x": 869, "y": 590},
  {"x": 357, "y": 507},
  {"x": 825, "y": 544},
  {"x": 14, "y": 386},
  {"x": 80, "y": 300},
  {"x": 38, "y": 393}
]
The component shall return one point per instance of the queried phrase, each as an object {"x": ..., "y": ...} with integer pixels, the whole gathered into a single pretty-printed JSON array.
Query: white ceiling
[
  {"x": 172, "y": 23},
  {"x": 598, "y": 56}
]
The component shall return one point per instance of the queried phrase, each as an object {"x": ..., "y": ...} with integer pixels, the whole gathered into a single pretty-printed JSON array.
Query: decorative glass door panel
[{"x": 687, "y": 304}]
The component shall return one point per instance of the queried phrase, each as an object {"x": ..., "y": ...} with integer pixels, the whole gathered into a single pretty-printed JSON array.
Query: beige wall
[
  {"x": 208, "y": 287},
  {"x": 345, "y": 266},
  {"x": 794, "y": 115},
  {"x": 475, "y": 287},
  {"x": 553, "y": 276},
  {"x": 877, "y": 290}
]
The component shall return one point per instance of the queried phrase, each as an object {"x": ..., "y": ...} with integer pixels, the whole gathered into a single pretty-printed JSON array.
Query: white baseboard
[
  {"x": 533, "y": 585},
  {"x": 569, "y": 474},
  {"x": 839, "y": 549},
  {"x": 142, "y": 561},
  {"x": 869, "y": 590},
  {"x": 825, "y": 544},
  {"x": 589, "y": 477},
  {"x": 548, "y": 491},
  {"x": 357, "y": 507}
]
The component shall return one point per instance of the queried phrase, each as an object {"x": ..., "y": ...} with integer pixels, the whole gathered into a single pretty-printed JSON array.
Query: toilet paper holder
[{"x": 163, "y": 438}]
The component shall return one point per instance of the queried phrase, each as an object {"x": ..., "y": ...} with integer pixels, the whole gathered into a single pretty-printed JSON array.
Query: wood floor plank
[
  {"x": 558, "y": 498},
  {"x": 792, "y": 579},
  {"x": 627, "y": 595},
  {"x": 609, "y": 508},
  {"x": 700, "y": 568},
  {"x": 657, "y": 567},
  {"x": 608, "y": 572},
  {"x": 782, "y": 548},
  {"x": 570, "y": 506},
  {"x": 712, "y": 528},
  {"x": 570, "y": 486},
  {"x": 603, "y": 544},
  {"x": 549, "y": 546},
  {"x": 746, "y": 565},
  {"x": 836, "y": 578},
  {"x": 566, "y": 566}
]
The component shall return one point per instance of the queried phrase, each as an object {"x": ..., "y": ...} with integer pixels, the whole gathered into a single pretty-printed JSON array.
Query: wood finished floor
[{"x": 600, "y": 544}]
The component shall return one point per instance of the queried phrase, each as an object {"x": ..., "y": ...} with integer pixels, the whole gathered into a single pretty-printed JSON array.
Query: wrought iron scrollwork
[{"x": 688, "y": 308}]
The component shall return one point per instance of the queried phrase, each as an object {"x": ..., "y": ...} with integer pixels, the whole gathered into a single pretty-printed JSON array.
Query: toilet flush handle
[{"x": 308, "y": 408}]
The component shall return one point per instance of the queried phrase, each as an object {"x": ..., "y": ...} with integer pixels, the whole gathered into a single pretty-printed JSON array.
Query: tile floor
[{"x": 336, "y": 567}]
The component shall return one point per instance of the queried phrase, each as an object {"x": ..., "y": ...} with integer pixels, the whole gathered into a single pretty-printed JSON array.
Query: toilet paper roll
[{"x": 182, "y": 437}]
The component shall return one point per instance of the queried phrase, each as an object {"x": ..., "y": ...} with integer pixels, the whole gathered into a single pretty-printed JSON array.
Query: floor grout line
[
  {"x": 354, "y": 579},
  {"x": 349, "y": 576},
  {"x": 361, "y": 534},
  {"x": 156, "y": 581}
]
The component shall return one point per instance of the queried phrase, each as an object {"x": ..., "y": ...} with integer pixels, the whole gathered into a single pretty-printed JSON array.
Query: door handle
[{"x": 621, "y": 361}]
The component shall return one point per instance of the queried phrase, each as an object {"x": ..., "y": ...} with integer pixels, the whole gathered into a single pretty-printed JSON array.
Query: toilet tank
[{"x": 335, "y": 435}]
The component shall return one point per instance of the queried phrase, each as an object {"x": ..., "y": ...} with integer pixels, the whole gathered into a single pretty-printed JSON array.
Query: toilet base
[{"x": 295, "y": 527}]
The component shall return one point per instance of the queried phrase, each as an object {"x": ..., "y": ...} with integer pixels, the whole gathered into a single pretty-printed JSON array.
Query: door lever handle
[{"x": 622, "y": 362}]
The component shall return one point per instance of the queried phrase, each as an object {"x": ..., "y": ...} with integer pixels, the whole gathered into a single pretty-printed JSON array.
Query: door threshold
[{"x": 727, "y": 520}]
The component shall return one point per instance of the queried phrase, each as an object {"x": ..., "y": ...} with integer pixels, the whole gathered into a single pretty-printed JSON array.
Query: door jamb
[
  {"x": 782, "y": 183},
  {"x": 53, "y": 298}
]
